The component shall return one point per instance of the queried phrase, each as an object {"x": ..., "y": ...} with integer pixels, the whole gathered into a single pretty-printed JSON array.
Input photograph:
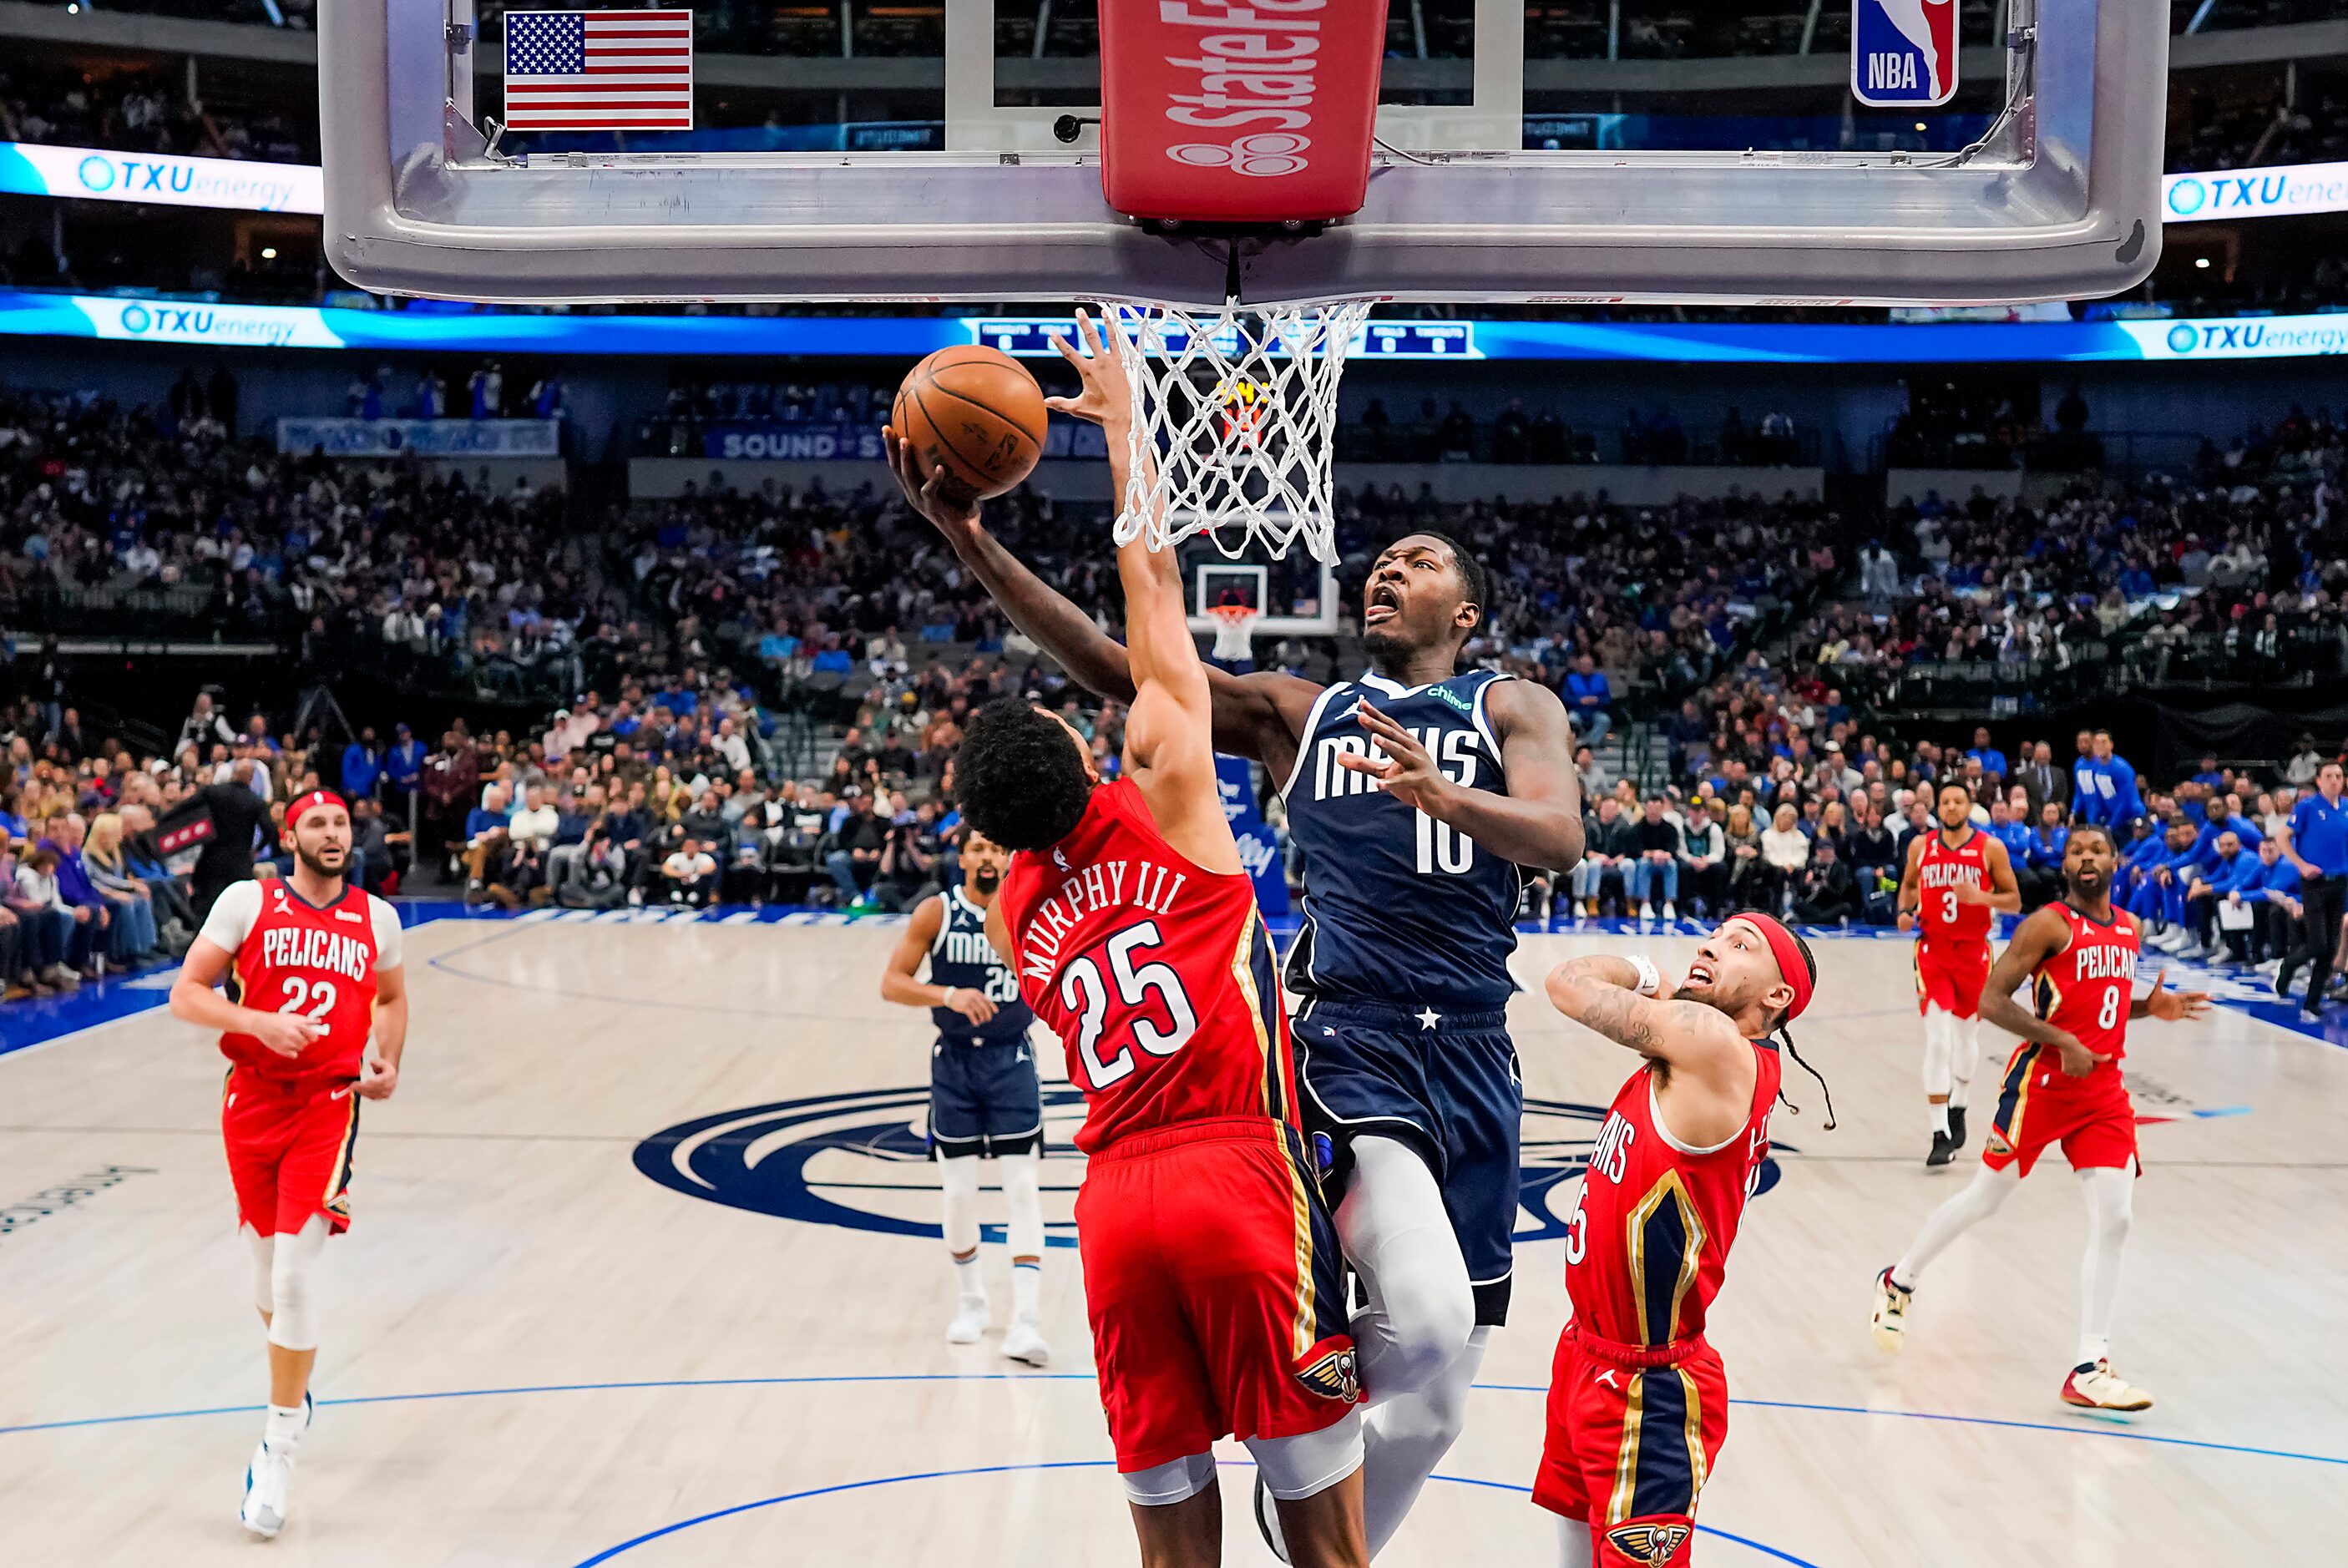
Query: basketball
[{"x": 975, "y": 412}]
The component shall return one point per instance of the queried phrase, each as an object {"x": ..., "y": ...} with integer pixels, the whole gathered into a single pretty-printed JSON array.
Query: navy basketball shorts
[
  {"x": 984, "y": 1098},
  {"x": 1448, "y": 1085}
]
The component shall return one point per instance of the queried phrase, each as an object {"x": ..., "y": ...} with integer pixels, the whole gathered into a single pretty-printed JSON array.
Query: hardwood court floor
[{"x": 536, "y": 1354}]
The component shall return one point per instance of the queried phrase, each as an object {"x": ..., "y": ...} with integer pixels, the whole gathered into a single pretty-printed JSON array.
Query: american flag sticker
[{"x": 599, "y": 70}]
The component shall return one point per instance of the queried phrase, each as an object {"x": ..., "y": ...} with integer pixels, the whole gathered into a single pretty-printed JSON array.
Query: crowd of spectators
[
  {"x": 141, "y": 108},
  {"x": 159, "y": 510},
  {"x": 1799, "y": 809}
]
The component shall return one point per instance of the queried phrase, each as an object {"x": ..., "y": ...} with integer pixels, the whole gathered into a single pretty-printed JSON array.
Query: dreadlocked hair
[{"x": 1785, "y": 1038}]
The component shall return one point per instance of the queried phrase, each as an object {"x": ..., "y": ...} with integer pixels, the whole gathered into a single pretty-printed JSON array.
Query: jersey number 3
[{"x": 1085, "y": 992}]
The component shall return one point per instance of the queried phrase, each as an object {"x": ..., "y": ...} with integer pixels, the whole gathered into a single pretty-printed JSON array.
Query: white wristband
[{"x": 1649, "y": 982}]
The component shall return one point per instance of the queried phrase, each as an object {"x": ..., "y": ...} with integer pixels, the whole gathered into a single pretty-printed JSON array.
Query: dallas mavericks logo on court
[
  {"x": 1903, "y": 53},
  {"x": 861, "y": 1161}
]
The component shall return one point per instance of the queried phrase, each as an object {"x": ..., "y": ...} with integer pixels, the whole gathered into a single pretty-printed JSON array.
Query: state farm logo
[{"x": 1264, "y": 155}]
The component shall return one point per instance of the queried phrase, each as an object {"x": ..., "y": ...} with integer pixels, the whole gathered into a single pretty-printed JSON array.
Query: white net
[
  {"x": 1234, "y": 423},
  {"x": 1234, "y": 631}
]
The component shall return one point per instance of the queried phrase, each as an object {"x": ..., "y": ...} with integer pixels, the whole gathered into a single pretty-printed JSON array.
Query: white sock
[
  {"x": 282, "y": 1430},
  {"x": 969, "y": 1283},
  {"x": 2111, "y": 1200},
  {"x": 1573, "y": 1544},
  {"x": 1937, "y": 1113},
  {"x": 1026, "y": 1289},
  {"x": 1978, "y": 1200}
]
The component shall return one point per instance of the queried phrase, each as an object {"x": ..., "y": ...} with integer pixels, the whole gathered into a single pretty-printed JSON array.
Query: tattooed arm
[{"x": 1705, "y": 1081}]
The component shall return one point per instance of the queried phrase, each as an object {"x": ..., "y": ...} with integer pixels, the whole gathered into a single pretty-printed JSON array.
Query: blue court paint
[
  {"x": 1772, "y": 1552},
  {"x": 2119, "y": 1433},
  {"x": 24, "y": 1025}
]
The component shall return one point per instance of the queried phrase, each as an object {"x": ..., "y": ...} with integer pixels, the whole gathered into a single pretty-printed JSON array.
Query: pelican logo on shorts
[
  {"x": 1332, "y": 1373},
  {"x": 1649, "y": 1542},
  {"x": 861, "y": 1161},
  {"x": 1997, "y": 1143}
]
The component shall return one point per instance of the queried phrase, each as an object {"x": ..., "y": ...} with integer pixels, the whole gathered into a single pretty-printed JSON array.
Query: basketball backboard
[{"x": 1534, "y": 151}]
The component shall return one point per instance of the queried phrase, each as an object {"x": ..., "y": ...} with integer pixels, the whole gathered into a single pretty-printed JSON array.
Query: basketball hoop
[
  {"x": 1234, "y": 415},
  {"x": 1234, "y": 631}
]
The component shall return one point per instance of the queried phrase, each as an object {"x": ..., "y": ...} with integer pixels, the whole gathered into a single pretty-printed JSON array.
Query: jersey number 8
[{"x": 1084, "y": 991}]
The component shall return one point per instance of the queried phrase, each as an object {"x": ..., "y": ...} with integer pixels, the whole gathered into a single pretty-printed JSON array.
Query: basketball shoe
[
  {"x": 969, "y": 1324},
  {"x": 1891, "y": 1319},
  {"x": 270, "y": 1476},
  {"x": 2093, "y": 1385},
  {"x": 1023, "y": 1341}
]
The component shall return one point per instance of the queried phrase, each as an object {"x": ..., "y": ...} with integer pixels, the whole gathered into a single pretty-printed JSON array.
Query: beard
[
  {"x": 986, "y": 881},
  {"x": 1385, "y": 643},
  {"x": 317, "y": 867}
]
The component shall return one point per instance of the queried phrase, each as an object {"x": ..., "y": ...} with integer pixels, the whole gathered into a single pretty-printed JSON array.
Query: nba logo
[{"x": 1903, "y": 53}]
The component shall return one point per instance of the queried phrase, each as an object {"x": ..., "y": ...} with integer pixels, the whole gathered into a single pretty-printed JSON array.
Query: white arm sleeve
[
  {"x": 233, "y": 913},
  {"x": 387, "y": 937}
]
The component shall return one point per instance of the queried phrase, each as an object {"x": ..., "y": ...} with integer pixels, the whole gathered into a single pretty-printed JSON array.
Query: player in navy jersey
[
  {"x": 1416, "y": 793},
  {"x": 985, "y": 1099}
]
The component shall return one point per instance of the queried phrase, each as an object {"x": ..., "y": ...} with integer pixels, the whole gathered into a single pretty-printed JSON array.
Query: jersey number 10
[{"x": 1443, "y": 848}]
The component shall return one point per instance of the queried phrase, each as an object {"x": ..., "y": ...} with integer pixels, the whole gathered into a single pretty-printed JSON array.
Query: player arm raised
[
  {"x": 1262, "y": 715},
  {"x": 1538, "y": 822},
  {"x": 1707, "y": 1065},
  {"x": 196, "y": 998},
  {"x": 2038, "y": 939},
  {"x": 899, "y": 982},
  {"x": 1169, "y": 730}
]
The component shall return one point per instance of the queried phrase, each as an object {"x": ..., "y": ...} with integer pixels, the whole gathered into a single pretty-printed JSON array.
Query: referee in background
[{"x": 2317, "y": 843}]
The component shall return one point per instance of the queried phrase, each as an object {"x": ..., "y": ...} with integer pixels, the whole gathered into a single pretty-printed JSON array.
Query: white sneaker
[
  {"x": 2096, "y": 1387},
  {"x": 1023, "y": 1341},
  {"x": 1671, "y": 913},
  {"x": 1891, "y": 1319},
  {"x": 2271, "y": 968},
  {"x": 267, "y": 1479},
  {"x": 969, "y": 1324}
]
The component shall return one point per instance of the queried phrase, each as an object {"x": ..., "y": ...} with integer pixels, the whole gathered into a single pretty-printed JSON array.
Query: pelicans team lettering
[{"x": 308, "y": 948}]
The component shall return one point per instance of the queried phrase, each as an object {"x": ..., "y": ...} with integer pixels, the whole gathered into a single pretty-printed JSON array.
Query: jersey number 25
[{"x": 1085, "y": 992}]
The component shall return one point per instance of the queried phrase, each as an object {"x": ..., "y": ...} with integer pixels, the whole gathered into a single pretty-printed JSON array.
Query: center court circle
[
  {"x": 1768, "y": 1553},
  {"x": 859, "y": 1160}
]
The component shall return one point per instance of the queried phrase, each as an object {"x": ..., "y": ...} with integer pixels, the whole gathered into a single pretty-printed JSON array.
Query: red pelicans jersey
[
  {"x": 1157, "y": 976},
  {"x": 1941, "y": 921},
  {"x": 1648, "y": 1244},
  {"x": 2087, "y": 988},
  {"x": 289, "y": 956}
]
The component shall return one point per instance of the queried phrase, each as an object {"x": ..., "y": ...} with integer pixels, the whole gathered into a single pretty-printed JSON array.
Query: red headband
[
  {"x": 1789, "y": 953},
  {"x": 314, "y": 798}
]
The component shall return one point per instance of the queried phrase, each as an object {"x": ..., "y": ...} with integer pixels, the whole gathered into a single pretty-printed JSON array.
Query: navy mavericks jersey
[
  {"x": 1397, "y": 906},
  {"x": 962, "y": 956}
]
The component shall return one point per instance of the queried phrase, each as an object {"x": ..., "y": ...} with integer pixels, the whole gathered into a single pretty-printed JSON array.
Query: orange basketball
[{"x": 975, "y": 413}]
